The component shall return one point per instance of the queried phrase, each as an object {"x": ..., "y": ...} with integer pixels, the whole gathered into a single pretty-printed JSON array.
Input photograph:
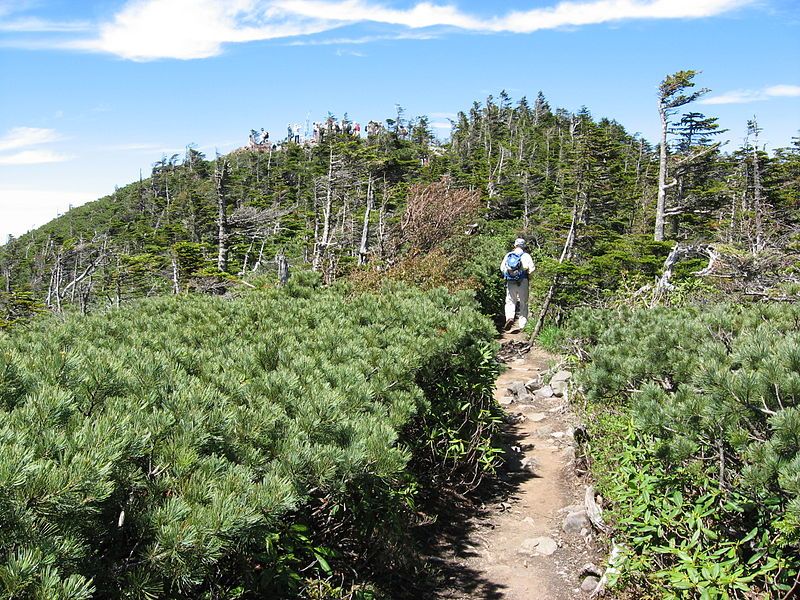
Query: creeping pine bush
[
  {"x": 699, "y": 445},
  {"x": 197, "y": 447}
]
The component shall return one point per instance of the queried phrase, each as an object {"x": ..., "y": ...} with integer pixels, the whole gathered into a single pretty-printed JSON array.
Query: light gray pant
[{"x": 517, "y": 291}]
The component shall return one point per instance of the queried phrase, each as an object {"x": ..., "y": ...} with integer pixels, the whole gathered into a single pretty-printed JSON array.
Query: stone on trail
[
  {"x": 536, "y": 417},
  {"x": 538, "y": 546},
  {"x": 591, "y": 569},
  {"x": 590, "y": 584},
  {"x": 534, "y": 384},
  {"x": 559, "y": 388},
  {"x": 517, "y": 389},
  {"x": 506, "y": 400},
  {"x": 545, "y": 392},
  {"x": 561, "y": 376},
  {"x": 575, "y": 522}
]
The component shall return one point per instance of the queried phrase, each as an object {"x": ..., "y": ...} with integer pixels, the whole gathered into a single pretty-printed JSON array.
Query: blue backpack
[{"x": 515, "y": 271}]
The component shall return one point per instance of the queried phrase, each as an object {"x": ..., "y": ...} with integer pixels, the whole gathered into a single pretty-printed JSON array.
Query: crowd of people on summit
[{"x": 319, "y": 131}]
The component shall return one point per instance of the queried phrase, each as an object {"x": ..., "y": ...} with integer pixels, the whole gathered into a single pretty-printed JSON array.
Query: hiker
[{"x": 516, "y": 267}]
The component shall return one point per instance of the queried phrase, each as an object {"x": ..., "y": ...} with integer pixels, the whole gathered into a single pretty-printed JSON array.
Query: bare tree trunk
[
  {"x": 758, "y": 202},
  {"x": 382, "y": 220},
  {"x": 247, "y": 256},
  {"x": 283, "y": 268},
  {"x": 661, "y": 202},
  {"x": 220, "y": 180},
  {"x": 363, "y": 248},
  {"x": 566, "y": 252},
  {"x": 176, "y": 288}
]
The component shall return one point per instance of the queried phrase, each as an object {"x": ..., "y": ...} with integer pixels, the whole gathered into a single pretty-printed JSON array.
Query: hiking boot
[{"x": 508, "y": 324}]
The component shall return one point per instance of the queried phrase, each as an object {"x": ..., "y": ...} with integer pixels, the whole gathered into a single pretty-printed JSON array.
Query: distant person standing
[{"x": 516, "y": 268}]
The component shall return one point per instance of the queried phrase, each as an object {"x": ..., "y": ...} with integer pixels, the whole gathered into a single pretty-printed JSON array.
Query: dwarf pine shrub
[
  {"x": 193, "y": 447},
  {"x": 701, "y": 412}
]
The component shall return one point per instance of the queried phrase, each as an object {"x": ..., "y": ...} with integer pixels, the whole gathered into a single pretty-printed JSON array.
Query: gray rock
[
  {"x": 591, "y": 569},
  {"x": 574, "y": 522},
  {"x": 536, "y": 417},
  {"x": 538, "y": 546},
  {"x": 526, "y": 398},
  {"x": 506, "y": 400},
  {"x": 517, "y": 388},
  {"x": 590, "y": 584},
  {"x": 561, "y": 376},
  {"x": 559, "y": 388},
  {"x": 528, "y": 465},
  {"x": 545, "y": 392},
  {"x": 534, "y": 384}
]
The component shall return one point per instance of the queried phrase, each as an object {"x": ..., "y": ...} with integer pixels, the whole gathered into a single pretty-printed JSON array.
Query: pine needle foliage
[
  {"x": 198, "y": 447},
  {"x": 702, "y": 422}
]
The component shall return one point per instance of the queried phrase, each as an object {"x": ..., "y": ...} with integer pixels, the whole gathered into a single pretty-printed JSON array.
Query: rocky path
[{"x": 533, "y": 539}]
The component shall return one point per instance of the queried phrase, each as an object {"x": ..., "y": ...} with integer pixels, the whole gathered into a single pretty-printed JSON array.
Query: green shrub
[
  {"x": 705, "y": 479},
  {"x": 198, "y": 447}
]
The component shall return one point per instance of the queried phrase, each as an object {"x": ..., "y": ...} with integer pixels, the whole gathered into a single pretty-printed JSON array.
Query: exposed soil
[{"x": 514, "y": 545}]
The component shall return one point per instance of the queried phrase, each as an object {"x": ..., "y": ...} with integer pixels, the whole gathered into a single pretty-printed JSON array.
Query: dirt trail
[{"x": 517, "y": 547}]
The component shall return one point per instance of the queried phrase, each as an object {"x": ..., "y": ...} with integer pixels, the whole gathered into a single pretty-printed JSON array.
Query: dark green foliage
[
  {"x": 713, "y": 396},
  {"x": 193, "y": 447},
  {"x": 18, "y": 306}
]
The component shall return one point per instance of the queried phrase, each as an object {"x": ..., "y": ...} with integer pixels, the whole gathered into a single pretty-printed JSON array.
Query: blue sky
[{"x": 92, "y": 92}]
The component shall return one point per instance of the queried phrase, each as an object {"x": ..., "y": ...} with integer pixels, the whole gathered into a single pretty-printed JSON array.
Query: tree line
[{"x": 583, "y": 189}]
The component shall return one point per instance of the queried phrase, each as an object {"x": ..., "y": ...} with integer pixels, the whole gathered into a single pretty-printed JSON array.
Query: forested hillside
[{"x": 582, "y": 189}]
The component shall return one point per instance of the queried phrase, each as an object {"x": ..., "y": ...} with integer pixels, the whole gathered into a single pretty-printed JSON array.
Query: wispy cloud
[
  {"x": 366, "y": 39},
  {"x": 442, "y": 125},
  {"x": 33, "y": 157},
  {"x": 747, "y": 96},
  {"x": 21, "y": 137},
  {"x": 35, "y": 25},
  {"x": 191, "y": 29}
]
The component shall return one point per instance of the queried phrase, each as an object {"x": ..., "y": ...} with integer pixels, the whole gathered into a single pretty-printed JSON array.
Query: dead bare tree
[
  {"x": 436, "y": 212},
  {"x": 221, "y": 176}
]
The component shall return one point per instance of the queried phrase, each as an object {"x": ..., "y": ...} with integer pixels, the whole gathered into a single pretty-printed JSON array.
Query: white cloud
[
  {"x": 188, "y": 29},
  {"x": 191, "y": 29},
  {"x": 747, "y": 96},
  {"x": 783, "y": 90},
  {"x": 442, "y": 125},
  {"x": 20, "y": 137},
  {"x": 24, "y": 209},
  {"x": 33, "y": 157}
]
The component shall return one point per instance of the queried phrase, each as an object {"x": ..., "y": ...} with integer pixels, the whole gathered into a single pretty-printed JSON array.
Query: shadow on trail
[{"x": 448, "y": 544}]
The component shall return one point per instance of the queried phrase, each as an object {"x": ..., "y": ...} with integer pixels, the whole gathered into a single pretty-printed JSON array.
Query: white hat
[{"x": 519, "y": 243}]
